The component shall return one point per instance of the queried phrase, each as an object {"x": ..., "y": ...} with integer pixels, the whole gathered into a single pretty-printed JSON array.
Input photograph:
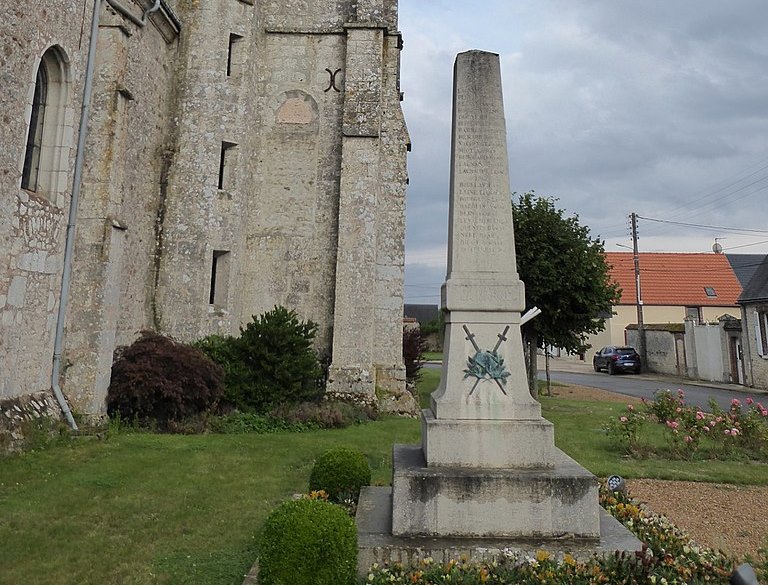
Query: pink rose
[
  {"x": 623, "y": 419},
  {"x": 749, "y": 400}
]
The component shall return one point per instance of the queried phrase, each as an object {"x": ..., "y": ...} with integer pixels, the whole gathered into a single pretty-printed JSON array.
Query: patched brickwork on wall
[
  {"x": 240, "y": 155},
  {"x": 23, "y": 416}
]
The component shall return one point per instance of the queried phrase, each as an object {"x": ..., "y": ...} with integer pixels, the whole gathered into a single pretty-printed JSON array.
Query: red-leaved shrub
[{"x": 158, "y": 381}]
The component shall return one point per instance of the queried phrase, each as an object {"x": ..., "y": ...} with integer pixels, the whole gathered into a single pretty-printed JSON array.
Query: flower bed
[
  {"x": 668, "y": 556},
  {"x": 741, "y": 432}
]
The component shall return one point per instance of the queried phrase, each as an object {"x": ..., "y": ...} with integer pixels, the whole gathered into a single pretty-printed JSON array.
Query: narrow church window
[
  {"x": 233, "y": 55},
  {"x": 219, "y": 276},
  {"x": 46, "y": 151},
  {"x": 225, "y": 164},
  {"x": 31, "y": 170}
]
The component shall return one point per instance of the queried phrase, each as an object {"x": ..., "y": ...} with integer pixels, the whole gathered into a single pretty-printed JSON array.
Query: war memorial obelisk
[{"x": 487, "y": 475}]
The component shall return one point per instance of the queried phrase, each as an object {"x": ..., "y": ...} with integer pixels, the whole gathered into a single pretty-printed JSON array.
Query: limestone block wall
[
  {"x": 130, "y": 128},
  {"x": 293, "y": 211},
  {"x": 32, "y": 223},
  {"x": 255, "y": 212},
  {"x": 208, "y": 180},
  {"x": 212, "y": 189}
]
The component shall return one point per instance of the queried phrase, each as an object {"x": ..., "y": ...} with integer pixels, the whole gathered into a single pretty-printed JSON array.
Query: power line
[
  {"x": 746, "y": 245},
  {"x": 709, "y": 227},
  {"x": 685, "y": 208}
]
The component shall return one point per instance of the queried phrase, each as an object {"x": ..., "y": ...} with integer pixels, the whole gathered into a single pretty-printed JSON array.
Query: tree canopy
[{"x": 565, "y": 274}]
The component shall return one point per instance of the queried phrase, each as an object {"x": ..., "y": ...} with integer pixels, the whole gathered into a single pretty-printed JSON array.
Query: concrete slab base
[
  {"x": 444, "y": 501},
  {"x": 377, "y": 545}
]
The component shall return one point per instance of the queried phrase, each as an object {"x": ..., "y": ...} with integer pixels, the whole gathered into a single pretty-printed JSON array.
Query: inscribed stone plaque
[{"x": 481, "y": 236}]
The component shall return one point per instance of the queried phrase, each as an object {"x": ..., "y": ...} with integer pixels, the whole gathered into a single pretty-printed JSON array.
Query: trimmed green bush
[
  {"x": 271, "y": 363},
  {"x": 159, "y": 382},
  {"x": 340, "y": 472},
  {"x": 308, "y": 542}
]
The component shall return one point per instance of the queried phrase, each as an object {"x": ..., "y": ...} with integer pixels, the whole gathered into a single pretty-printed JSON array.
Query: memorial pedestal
[{"x": 556, "y": 502}]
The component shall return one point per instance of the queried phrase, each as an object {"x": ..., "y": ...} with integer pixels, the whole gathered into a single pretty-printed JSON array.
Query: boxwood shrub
[
  {"x": 340, "y": 472},
  {"x": 308, "y": 542}
]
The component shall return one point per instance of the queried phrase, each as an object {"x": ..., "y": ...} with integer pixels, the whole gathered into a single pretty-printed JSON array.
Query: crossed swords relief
[{"x": 487, "y": 365}]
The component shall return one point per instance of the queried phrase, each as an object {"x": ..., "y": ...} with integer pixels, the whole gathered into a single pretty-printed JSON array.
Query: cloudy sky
[{"x": 656, "y": 106}]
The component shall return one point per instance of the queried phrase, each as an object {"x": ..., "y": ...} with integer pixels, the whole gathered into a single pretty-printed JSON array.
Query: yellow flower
[{"x": 542, "y": 555}]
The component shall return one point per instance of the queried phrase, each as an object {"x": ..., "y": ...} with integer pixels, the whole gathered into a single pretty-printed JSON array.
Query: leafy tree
[{"x": 565, "y": 274}]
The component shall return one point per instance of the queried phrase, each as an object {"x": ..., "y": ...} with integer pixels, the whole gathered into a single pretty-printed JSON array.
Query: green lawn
[
  {"x": 138, "y": 508},
  {"x": 141, "y": 508}
]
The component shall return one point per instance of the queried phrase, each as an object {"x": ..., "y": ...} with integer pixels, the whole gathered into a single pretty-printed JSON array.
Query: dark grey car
[{"x": 615, "y": 359}]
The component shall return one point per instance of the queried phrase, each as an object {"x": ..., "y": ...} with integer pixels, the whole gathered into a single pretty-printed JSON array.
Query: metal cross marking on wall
[
  {"x": 332, "y": 81},
  {"x": 487, "y": 365}
]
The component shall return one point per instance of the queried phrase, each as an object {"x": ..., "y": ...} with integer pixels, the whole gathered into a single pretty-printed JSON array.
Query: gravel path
[{"x": 727, "y": 517}]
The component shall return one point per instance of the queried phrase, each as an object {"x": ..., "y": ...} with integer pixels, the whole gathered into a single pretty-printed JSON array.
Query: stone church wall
[
  {"x": 130, "y": 132},
  {"x": 221, "y": 155},
  {"x": 33, "y": 223}
]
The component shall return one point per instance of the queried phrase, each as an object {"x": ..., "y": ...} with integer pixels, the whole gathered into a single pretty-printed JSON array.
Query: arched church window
[{"x": 47, "y": 146}]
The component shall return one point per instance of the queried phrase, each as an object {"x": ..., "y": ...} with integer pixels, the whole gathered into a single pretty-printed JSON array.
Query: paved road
[{"x": 643, "y": 386}]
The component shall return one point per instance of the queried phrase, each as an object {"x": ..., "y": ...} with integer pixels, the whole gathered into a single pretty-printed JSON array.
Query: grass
[
  {"x": 579, "y": 432},
  {"x": 433, "y": 356},
  {"x": 138, "y": 508}
]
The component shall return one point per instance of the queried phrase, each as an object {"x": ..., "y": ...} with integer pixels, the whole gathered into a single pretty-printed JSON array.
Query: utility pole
[{"x": 640, "y": 325}]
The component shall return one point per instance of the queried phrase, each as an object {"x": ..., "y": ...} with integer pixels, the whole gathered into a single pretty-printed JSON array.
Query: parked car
[{"x": 614, "y": 359}]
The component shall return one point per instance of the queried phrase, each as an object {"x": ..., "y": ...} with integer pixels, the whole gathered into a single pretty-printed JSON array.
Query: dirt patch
[
  {"x": 730, "y": 518},
  {"x": 587, "y": 393}
]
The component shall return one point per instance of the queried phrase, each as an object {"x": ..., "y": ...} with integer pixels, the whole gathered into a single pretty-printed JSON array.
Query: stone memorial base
[
  {"x": 488, "y": 444},
  {"x": 551, "y": 502},
  {"x": 376, "y": 544}
]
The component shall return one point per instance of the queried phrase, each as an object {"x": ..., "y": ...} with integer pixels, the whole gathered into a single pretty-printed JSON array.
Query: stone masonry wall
[
  {"x": 129, "y": 131},
  {"x": 32, "y": 224},
  {"x": 254, "y": 190},
  {"x": 212, "y": 185},
  {"x": 22, "y": 416},
  {"x": 757, "y": 372}
]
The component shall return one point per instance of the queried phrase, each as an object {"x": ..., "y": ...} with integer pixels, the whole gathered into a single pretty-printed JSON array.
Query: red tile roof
[{"x": 675, "y": 279}]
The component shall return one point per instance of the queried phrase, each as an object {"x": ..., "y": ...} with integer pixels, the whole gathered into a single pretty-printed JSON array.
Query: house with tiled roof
[
  {"x": 673, "y": 287},
  {"x": 754, "y": 319}
]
